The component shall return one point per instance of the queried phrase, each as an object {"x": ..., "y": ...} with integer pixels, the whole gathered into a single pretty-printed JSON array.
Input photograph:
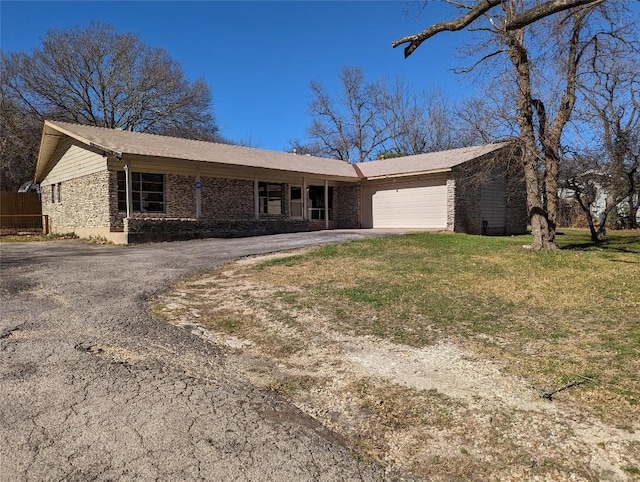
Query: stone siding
[
  {"x": 84, "y": 203},
  {"x": 451, "y": 202}
]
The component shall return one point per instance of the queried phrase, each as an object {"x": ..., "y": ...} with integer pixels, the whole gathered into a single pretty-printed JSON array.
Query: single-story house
[{"x": 134, "y": 187}]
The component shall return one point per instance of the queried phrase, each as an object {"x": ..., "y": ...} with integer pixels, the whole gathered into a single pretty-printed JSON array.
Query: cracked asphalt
[{"x": 92, "y": 387}]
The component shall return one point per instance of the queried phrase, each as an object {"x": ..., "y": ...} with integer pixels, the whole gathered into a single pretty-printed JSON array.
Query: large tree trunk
[
  {"x": 543, "y": 236},
  {"x": 551, "y": 195}
]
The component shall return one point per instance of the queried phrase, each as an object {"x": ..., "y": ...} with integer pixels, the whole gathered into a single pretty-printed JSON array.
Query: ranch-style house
[{"x": 131, "y": 187}]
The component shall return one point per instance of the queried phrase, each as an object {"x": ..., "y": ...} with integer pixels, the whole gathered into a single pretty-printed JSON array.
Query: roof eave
[
  {"x": 231, "y": 164},
  {"x": 52, "y": 134},
  {"x": 408, "y": 174}
]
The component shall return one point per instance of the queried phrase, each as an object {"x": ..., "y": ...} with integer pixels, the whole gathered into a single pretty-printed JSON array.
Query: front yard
[{"x": 441, "y": 354}]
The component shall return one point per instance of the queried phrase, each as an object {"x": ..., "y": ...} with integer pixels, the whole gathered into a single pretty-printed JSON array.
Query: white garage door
[{"x": 421, "y": 205}]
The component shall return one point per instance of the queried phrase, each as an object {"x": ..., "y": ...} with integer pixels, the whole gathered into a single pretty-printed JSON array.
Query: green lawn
[{"x": 550, "y": 317}]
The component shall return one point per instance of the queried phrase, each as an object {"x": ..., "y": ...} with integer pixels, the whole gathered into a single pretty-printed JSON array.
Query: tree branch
[
  {"x": 450, "y": 25},
  {"x": 544, "y": 10},
  {"x": 549, "y": 7}
]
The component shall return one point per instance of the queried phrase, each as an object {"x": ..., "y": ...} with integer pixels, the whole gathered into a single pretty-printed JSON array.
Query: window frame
[
  {"x": 296, "y": 202},
  {"x": 266, "y": 200},
  {"x": 140, "y": 192}
]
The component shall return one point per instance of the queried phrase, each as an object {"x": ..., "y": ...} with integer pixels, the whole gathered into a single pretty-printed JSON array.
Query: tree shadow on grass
[{"x": 616, "y": 242}]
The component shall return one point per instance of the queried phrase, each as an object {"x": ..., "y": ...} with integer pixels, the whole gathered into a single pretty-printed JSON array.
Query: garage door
[{"x": 421, "y": 205}]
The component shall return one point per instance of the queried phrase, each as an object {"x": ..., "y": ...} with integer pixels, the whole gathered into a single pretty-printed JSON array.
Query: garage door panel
[{"x": 410, "y": 206}]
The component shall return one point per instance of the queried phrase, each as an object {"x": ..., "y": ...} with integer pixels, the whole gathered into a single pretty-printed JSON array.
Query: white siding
[
  {"x": 73, "y": 161},
  {"x": 420, "y": 205}
]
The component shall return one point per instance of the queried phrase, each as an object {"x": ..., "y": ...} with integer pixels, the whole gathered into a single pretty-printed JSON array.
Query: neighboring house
[
  {"x": 135, "y": 187},
  {"x": 590, "y": 182}
]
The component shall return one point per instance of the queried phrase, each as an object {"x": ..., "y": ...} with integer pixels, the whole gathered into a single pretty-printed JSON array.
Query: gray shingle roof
[
  {"x": 137, "y": 143},
  {"x": 432, "y": 161}
]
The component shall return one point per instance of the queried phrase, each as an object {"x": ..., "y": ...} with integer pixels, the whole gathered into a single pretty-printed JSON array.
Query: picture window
[{"x": 147, "y": 192}]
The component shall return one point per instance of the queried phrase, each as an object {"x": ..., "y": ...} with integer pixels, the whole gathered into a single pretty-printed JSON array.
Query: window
[
  {"x": 318, "y": 204},
  {"x": 270, "y": 198},
  {"x": 147, "y": 192},
  {"x": 295, "y": 198},
  {"x": 56, "y": 193}
]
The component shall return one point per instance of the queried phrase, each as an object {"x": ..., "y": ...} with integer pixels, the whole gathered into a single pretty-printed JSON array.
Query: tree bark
[{"x": 543, "y": 237}]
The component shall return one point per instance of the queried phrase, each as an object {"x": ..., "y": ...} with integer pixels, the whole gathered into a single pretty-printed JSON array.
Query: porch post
[
  {"x": 326, "y": 204},
  {"x": 129, "y": 199},
  {"x": 256, "y": 200},
  {"x": 198, "y": 196},
  {"x": 304, "y": 198}
]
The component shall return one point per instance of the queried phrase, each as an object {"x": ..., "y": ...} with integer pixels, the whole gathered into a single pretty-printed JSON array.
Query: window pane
[
  {"x": 269, "y": 198},
  {"x": 296, "y": 193},
  {"x": 296, "y": 209},
  {"x": 154, "y": 207},
  {"x": 146, "y": 177},
  {"x": 152, "y": 186},
  {"x": 153, "y": 196}
]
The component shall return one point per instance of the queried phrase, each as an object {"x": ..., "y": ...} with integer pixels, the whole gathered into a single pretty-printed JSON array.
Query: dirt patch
[{"x": 437, "y": 411}]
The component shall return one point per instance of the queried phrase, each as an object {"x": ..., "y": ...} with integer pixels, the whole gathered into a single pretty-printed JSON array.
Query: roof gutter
[
  {"x": 408, "y": 174},
  {"x": 105, "y": 151}
]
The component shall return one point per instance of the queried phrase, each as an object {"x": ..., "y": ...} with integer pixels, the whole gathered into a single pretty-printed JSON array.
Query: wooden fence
[{"x": 22, "y": 211}]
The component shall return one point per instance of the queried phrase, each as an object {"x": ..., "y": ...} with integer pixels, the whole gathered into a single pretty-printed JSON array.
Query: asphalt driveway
[{"x": 93, "y": 388}]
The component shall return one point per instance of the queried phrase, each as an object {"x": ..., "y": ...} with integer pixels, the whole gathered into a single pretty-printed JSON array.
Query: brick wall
[
  {"x": 85, "y": 203},
  {"x": 517, "y": 217},
  {"x": 346, "y": 202},
  {"x": 465, "y": 182},
  {"x": 180, "y": 196},
  {"x": 115, "y": 217},
  {"x": 142, "y": 230},
  {"x": 227, "y": 209},
  {"x": 467, "y": 216},
  {"x": 226, "y": 199},
  {"x": 180, "y": 200}
]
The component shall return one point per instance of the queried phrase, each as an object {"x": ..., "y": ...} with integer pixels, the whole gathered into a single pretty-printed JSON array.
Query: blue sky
[{"x": 259, "y": 57}]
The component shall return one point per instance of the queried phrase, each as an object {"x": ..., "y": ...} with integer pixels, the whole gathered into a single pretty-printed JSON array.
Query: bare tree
[
  {"x": 19, "y": 140},
  {"x": 584, "y": 179},
  {"x": 481, "y": 8},
  {"x": 570, "y": 40},
  {"x": 98, "y": 77},
  {"x": 419, "y": 122},
  {"x": 612, "y": 110},
  {"x": 351, "y": 127},
  {"x": 376, "y": 119}
]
